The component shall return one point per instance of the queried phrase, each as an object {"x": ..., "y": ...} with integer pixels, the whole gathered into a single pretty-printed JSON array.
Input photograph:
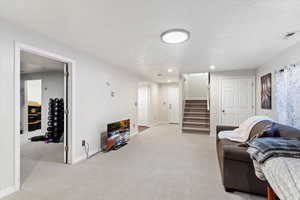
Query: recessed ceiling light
[
  {"x": 212, "y": 67},
  {"x": 170, "y": 70},
  {"x": 175, "y": 36},
  {"x": 169, "y": 81}
]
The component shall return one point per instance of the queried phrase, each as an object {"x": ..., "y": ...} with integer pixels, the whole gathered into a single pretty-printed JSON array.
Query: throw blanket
[
  {"x": 261, "y": 149},
  {"x": 242, "y": 133},
  {"x": 284, "y": 176}
]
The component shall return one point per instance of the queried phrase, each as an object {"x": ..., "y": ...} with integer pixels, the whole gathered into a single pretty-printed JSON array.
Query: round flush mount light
[
  {"x": 175, "y": 36},
  {"x": 170, "y": 70}
]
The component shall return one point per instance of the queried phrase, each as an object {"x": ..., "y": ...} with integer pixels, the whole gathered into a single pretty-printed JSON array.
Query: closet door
[
  {"x": 143, "y": 105},
  {"x": 173, "y": 104},
  {"x": 237, "y": 102}
]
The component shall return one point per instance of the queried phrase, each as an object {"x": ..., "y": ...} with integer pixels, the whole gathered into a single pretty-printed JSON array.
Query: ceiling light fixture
[
  {"x": 169, "y": 81},
  {"x": 170, "y": 70},
  {"x": 175, "y": 36},
  {"x": 212, "y": 67}
]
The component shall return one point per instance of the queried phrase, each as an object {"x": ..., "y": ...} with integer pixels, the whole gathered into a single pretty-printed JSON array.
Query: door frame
[
  {"x": 219, "y": 111},
  {"x": 18, "y": 47}
]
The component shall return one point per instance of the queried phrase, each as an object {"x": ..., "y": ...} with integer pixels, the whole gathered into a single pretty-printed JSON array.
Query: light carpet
[{"x": 160, "y": 164}]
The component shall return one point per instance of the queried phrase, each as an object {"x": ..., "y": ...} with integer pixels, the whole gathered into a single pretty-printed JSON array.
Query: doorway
[
  {"x": 173, "y": 104},
  {"x": 31, "y": 109},
  {"x": 55, "y": 75}
]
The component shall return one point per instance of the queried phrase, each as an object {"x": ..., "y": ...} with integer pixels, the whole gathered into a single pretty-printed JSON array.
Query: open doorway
[
  {"x": 31, "y": 109},
  {"x": 42, "y": 111},
  {"x": 44, "y": 100}
]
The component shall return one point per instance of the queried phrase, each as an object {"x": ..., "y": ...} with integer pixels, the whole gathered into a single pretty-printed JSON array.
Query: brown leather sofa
[{"x": 236, "y": 166}]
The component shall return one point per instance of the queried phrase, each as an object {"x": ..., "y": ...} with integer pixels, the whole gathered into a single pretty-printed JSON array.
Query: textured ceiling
[{"x": 230, "y": 34}]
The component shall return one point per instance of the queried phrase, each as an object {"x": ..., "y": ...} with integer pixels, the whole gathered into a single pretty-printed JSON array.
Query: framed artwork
[{"x": 266, "y": 91}]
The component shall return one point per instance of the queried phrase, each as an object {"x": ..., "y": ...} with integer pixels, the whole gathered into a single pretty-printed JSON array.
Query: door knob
[{"x": 223, "y": 111}]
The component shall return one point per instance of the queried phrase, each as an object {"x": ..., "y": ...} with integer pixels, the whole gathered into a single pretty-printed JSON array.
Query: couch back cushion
[
  {"x": 284, "y": 130},
  {"x": 289, "y": 132}
]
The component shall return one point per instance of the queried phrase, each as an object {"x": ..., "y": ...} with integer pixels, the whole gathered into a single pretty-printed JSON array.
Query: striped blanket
[{"x": 261, "y": 149}]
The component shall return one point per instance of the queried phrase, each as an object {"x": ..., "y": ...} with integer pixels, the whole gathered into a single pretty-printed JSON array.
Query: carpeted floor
[{"x": 159, "y": 164}]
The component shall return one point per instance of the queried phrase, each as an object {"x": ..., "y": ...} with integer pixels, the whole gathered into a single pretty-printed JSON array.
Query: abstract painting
[{"x": 266, "y": 91}]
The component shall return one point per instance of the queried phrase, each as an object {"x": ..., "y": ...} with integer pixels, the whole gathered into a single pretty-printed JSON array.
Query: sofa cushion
[
  {"x": 234, "y": 151},
  {"x": 289, "y": 132}
]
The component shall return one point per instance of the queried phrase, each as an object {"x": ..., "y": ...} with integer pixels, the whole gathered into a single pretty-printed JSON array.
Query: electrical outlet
[{"x": 83, "y": 143}]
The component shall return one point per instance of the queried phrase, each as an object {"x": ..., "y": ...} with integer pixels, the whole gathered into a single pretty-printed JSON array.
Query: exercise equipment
[
  {"x": 34, "y": 116},
  {"x": 55, "y": 128}
]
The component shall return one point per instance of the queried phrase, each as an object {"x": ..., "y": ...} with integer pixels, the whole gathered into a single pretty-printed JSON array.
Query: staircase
[{"x": 196, "y": 117}]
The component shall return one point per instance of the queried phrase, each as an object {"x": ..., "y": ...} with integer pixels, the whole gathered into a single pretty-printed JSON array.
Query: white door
[
  {"x": 237, "y": 102},
  {"x": 143, "y": 105},
  {"x": 173, "y": 104}
]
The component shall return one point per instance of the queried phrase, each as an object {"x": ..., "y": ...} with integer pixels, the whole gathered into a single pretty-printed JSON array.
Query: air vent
[{"x": 290, "y": 34}]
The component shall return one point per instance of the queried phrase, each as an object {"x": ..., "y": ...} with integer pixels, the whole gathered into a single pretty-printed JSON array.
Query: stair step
[
  {"x": 193, "y": 129},
  {"x": 196, "y": 123},
  {"x": 195, "y": 101},
  {"x": 191, "y": 112},
  {"x": 192, "y": 117},
  {"x": 204, "y": 120},
  {"x": 196, "y": 104},
  {"x": 196, "y": 109},
  {"x": 196, "y": 114}
]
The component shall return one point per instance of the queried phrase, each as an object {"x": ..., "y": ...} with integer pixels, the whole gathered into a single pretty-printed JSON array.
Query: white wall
[
  {"x": 215, "y": 79},
  {"x": 196, "y": 86},
  {"x": 94, "y": 105},
  {"x": 289, "y": 56},
  {"x": 34, "y": 91},
  {"x": 52, "y": 87}
]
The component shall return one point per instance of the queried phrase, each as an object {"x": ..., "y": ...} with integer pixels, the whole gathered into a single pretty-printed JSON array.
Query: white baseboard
[
  {"x": 7, "y": 191},
  {"x": 83, "y": 156},
  {"x": 134, "y": 134},
  {"x": 162, "y": 122}
]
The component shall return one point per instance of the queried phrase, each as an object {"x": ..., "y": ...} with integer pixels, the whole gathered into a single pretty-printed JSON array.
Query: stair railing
[{"x": 208, "y": 98}]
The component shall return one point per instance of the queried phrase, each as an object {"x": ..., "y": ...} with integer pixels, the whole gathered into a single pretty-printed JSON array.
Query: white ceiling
[
  {"x": 31, "y": 63},
  {"x": 230, "y": 34}
]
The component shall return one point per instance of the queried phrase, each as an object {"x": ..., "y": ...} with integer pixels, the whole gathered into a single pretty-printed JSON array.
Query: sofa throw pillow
[{"x": 271, "y": 131}]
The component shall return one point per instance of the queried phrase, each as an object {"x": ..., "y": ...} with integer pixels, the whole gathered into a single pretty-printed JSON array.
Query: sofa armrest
[{"x": 225, "y": 128}]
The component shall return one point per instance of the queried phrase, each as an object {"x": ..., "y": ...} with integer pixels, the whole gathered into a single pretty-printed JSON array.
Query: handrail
[{"x": 208, "y": 98}]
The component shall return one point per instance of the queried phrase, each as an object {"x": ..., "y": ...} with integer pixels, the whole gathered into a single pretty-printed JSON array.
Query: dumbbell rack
[{"x": 55, "y": 128}]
